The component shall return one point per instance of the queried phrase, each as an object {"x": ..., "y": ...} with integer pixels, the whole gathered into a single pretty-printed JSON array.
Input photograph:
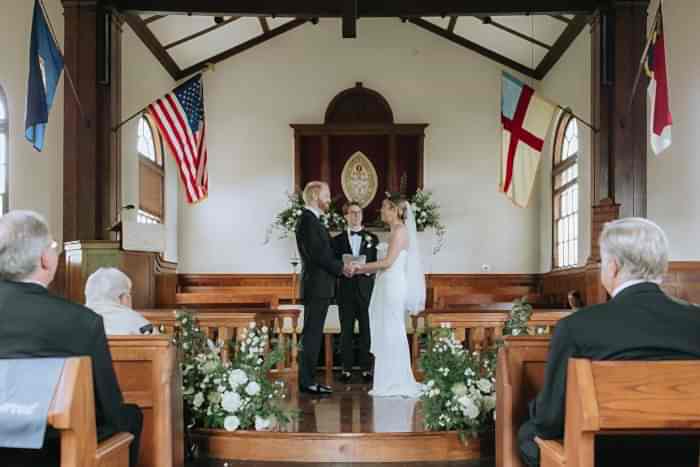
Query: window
[
  {"x": 565, "y": 194},
  {"x": 151, "y": 173},
  {"x": 4, "y": 154}
]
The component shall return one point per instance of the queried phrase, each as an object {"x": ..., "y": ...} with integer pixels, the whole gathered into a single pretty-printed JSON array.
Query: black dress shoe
[
  {"x": 316, "y": 389},
  {"x": 345, "y": 376}
]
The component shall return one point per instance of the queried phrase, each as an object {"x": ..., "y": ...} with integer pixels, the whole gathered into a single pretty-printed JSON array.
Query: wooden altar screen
[{"x": 360, "y": 119}]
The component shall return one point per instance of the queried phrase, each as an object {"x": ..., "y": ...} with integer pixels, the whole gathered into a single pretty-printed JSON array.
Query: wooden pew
[
  {"x": 519, "y": 377},
  {"x": 225, "y": 299},
  {"x": 623, "y": 397},
  {"x": 149, "y": 376},
  {"x": 72, "y": 413},
  {"x": 459, "y": 296}
]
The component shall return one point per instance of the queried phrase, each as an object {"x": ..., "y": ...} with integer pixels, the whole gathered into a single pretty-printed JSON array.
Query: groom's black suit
[
  {"x": 319, "y": 270},
  {"x": 353, "y": 299}
]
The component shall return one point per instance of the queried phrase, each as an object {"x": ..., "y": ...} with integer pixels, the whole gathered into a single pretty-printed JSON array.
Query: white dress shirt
[
  {"x": 355, "y": 241},
  {"x": 628, "y": 284}
]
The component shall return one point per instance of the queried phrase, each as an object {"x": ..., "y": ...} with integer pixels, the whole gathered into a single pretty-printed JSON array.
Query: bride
[{"x": 399, "y": 288}]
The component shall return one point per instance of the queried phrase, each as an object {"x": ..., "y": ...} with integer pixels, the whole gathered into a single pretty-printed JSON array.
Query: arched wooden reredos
[{"x": 360, "y": 119}]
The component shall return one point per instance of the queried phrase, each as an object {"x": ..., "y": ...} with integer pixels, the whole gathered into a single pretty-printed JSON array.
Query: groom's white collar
[{"x": 317, "y": 212}]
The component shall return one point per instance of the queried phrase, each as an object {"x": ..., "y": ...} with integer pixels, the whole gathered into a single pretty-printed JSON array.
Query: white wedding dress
[{"x": 393, "y": 375}]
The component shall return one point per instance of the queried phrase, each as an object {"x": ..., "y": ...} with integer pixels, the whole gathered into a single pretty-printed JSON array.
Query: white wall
[
  {"x": 252, "y": 98},
  {"x": 36, "y": 178},
  {"x": 672, "y": 177},
  {"x": 569, "y": 84},
  {"x": 143, "y": 81}
]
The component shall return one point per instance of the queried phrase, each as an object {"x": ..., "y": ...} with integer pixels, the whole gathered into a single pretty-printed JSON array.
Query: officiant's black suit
[
  {"x": 35, "y": 323},
  {"x": 319, "y": 270},
  {"x": 640, "y": 323},
  {"x": 353, "y": 299}
]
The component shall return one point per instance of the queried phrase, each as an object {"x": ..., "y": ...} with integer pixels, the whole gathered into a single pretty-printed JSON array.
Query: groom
[
  {"x": 354, "y": 293},
  {"x": 319, "y": 270}
]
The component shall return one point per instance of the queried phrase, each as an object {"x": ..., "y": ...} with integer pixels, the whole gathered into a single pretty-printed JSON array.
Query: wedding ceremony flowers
[
  {"x": 460, "y": 386},
  {"x": 236, "y": 395},
  {"x": 427, "y": 215},
  {"x": 285, "y": 222}
]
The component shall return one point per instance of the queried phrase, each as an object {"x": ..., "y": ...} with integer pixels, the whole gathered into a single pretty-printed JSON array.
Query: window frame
[
  {"x": 5, "y": 129},
  {"x": 157, "y": 166},
  {"x": 560, "y": 166}
]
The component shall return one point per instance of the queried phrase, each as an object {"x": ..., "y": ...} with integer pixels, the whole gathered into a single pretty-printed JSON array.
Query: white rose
[
  {"x": 251, "y": 325},
  {"x": 459, "y": 389},
  {"x": 263, "y": 424},
  {"x": 198, "y": 400},
  {"x": 237, "y": 377},
  {"x": 515, "y": 332},
  {"x": 252, "y": 389},
  {"x": 231, "y": 401},
  {"x": 231, "y": 423},
  {"x": 469, "y": 408},
  {"x": 484, "y": 385}
]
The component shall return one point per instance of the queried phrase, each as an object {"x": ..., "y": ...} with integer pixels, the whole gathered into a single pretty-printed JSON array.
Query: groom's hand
[{"x": 348, "y": 270}]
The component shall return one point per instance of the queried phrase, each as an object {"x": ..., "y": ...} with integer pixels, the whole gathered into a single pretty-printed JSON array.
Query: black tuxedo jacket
[
  {"x": 319, "y": 266},
  {"x": 34, "y": 323},
  {"x": 360, "y": 283},
  {"x": 640, "y": 323}
]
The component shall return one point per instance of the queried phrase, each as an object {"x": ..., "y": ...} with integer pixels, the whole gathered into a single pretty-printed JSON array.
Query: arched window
[
  {"x": 151, "y": 173},
  {"x": 565, "y": 194},
  {"x": 4, "y": 154}
]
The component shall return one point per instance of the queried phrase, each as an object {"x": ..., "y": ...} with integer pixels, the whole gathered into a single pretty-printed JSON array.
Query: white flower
[
  {"x": 430, "y": 383},
  {"x": 263, "y": 424},
  {"x": 231, "y": 423},
  {"x": 469, "y": 408},
  {"x": 489, "y": 403},
  {"x": 516, "y": 331},
  {"x": 198, "y": 400},
  {"x": 484, "y": 385},
  {"x": 298, "y": 212},
  {"x": 252, "y": 388},
  {"x": 237, "y": 377},
  {"x": 209, "y": 367},
  {"x": 231, "y": 401},
  {"x": 252, "y": 325},
  {"x": 265, "y": 329},
  {"x": 459, "y": 389}
]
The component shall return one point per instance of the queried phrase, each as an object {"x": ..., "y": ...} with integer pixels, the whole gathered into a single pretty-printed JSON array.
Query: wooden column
[
  {"x": 393, "y": 176},
  {"x": 619, "y": 151},
  {"x": 325, "y": 159},
  {"x": 91, "y": 159}
]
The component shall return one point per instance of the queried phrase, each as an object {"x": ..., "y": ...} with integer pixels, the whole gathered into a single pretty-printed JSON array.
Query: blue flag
[{"x": 45, "y": 67}]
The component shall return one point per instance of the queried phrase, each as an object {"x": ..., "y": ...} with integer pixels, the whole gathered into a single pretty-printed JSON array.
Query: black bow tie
[{"x": 355, "y": 233}]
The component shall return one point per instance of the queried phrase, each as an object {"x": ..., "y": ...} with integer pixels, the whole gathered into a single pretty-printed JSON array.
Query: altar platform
[{"x": 348, "y": 426}]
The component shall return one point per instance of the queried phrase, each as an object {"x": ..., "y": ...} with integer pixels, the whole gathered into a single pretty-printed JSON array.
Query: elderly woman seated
[{"x": 108, "y": 292}]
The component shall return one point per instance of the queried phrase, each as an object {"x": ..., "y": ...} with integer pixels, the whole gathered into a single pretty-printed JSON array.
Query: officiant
[{"x": 354, "y": 293}]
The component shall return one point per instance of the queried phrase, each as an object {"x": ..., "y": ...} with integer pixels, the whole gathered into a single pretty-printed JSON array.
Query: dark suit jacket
[
  {"x": 319, "y": 266},
  {"x": 640, "y": 323},
  {"x": 360, "y": 283},
  {"x": 34, "y": 323}
]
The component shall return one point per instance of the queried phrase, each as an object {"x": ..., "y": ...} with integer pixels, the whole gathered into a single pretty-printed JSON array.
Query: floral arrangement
[
  {"x": 519, "y": 317},
  {"x": 460, "y": 389},
  {"x": 286, "y": 221},
  {"x": 427, "y": 215},
  {"x": 235, "y": 395}
]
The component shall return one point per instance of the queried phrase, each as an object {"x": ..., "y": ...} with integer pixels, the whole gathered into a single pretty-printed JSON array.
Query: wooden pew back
[
  {"x": 623, "y": 397},
  {"x": 464, "y": 295},
  {"x": 149, "y": 376},
  {"x": 226, "y": 299},
  {"x": 519, "y": 377},
  {"x": 72, "y": 413}
]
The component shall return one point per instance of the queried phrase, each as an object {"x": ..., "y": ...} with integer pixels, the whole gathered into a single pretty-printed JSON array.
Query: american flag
[{"x": 180, "y": 119}]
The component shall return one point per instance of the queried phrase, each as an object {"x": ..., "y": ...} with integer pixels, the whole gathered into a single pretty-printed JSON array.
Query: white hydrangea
[
  {"x": 237, "y": 377},
  {"x": 263, "y": 424},
  {"x": 459, "y": 389},
  {"x": 198, "y": 400},
  {"x": 231, "y": 401},
  {"x": 469, "y": 408},
  {"x": 484, "y": 385},
  {"x": 252, "y": 389},
  {"x": 231, "y": 423}
]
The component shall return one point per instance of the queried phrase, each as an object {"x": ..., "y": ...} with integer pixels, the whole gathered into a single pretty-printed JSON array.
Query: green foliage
[
  {"x": 517, "y": 324},
  {"x": 286, "y": 221},
  {"x": 427, "y": 214}
]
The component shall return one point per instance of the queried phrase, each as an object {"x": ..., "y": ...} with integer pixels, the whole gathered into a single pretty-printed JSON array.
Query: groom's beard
[{"x": 324, "y": 206}]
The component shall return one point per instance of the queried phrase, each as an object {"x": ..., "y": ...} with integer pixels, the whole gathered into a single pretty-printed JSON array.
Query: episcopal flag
[
  {"x": 180, "y": 119},
  {"x": 525, "y": 118},
  {"x": 45, "y": 67},
  {"x": 655, "y": 66}
]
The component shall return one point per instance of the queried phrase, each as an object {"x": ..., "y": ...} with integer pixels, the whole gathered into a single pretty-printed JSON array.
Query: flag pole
[
  {"x": 210, "y": 67},
  {"x": 650, "y": 37},
  {"x": 570, "y": 112},
  {"x": 69, "y": 78}
]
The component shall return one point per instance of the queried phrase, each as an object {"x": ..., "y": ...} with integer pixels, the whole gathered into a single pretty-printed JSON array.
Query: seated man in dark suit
[
  {"x": 640, "y": 322},
  {"x": 34, "y": 323}
]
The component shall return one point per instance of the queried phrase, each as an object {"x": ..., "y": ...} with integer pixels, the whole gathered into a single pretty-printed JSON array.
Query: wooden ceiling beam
[
  {"x": 200, "y": 33},
  {"x": 561, "y": 45},
  {"x": 473, "y": 46},
  {"x": 151, "y": 42},
  {"x": 241, "y": 47},
  {"x": 365, "y": 8},
  {"x": 263, "y": 24},
  {"x": 349, "y": 19},
  {"x": 452, "y": 24},
  {"x": 561, "y": 18},
  {"x": 153, "y": 18}
]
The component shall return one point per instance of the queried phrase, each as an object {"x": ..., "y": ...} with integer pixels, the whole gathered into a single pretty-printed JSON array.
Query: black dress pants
[
  {"x": 354, "y": 307},
  {"x": 315, "y": 310}
]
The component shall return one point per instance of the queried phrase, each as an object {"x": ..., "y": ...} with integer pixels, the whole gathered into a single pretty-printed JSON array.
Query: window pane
[
  {"x": 3, "y": 179},
  {"x": 3, "y": 148},
  {"x": 3, "y": 109},
  {"x": 145, "y": 144}
]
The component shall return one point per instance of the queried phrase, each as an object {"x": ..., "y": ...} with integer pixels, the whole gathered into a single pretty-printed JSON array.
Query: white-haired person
[
  {"x": 108, "y": 293},
  {"x": 640, "y": 322},
  {"x": 35, "y": 323}
]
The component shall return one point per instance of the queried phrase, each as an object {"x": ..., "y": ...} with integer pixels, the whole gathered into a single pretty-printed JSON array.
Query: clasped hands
[{"x": 350, "y": 269}]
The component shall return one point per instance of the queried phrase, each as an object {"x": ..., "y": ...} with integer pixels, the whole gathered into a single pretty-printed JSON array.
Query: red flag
[{"x": 660, "y": 117}]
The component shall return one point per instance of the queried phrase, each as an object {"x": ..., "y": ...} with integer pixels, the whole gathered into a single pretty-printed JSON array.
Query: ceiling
[{"x": 191, "y": 34}]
